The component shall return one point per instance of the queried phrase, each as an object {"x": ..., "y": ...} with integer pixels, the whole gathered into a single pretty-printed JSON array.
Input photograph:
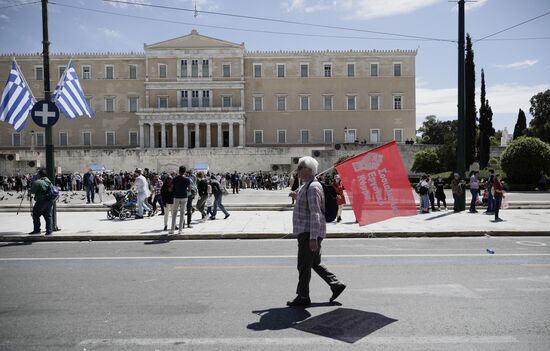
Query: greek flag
[
  {"x": 69, "y": 97},
  {"x": 17, "y": 100}
]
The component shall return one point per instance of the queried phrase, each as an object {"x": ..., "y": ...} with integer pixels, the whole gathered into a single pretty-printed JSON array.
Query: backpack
[
  {"x": 52, "y": 193},
  {"x": 216, "y": 189},
  {"x": 331, "y": 205}
]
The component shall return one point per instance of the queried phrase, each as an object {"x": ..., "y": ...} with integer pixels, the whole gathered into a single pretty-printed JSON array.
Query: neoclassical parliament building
[{"x": 198, "y": 92}]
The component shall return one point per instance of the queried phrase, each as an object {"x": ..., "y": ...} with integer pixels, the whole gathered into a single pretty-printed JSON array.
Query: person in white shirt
[{"x": 143, "y": 192}]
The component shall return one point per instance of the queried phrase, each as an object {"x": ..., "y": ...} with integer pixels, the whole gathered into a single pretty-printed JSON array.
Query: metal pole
[
  {"x": 461, "y": 137},
  {"x": 50, "y": 163}
]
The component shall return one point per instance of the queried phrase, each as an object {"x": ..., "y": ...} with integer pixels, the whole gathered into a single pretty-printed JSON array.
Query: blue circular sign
[{"x": 45, "y": 113}]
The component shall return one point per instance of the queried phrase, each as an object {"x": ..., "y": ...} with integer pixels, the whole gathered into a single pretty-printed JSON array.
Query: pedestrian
[
  {"x": 309, "y": 226},
  {"x": 340, "y": 198},
  {"x": 440, "y": 192},
  {"x": 490, "y": 192},
  {"x": 542, "y": 181},
  {"x": 457, "y": 187},
  {"x": 295, "y": 184},
  {"x": 217, "y": 192},
  {"x": 235, "y": 182},
  {"x": 43, "y": 206},
  {"x": 167, "y": 199},
  {"x": 157, "y": 183},
  {"x": 181, "y": 188},
  {"x": 89, "y": 184},
  {"x": 499, "y": 194},
  {"x": 100, "y": 187},
  {"x": 190, "y": 197},
  {"x": 143, "y": 192},
  {"x": 431, "y": 193},
  {"x": 423, "y": 191},
  {"x": 474, "y": 190},
  {"x": 202, "y": 190}
]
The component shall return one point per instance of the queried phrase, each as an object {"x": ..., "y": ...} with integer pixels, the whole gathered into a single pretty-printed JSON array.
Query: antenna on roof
[{"x": 196, "y": 12}]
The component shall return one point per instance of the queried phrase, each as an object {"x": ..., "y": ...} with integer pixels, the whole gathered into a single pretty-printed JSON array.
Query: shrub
[
  {"x": 426, "y": 161},
  {"x": 524, "y": 158}
]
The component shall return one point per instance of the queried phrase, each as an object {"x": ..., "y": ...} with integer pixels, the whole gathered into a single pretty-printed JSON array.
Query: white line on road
[
  {"x": 119, "y": 258},
  {"x": 380, "y": 340}
]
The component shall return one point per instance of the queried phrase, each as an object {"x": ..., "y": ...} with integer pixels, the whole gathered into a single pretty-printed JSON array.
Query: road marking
[
  {"x": 380, "y": 340},
  {"x": 120, "y": 258},
  {"x": 540, "y": 279},
  {"x": 448, "y": 290},
  {"x": 257, "y": 267},
  {"x": 530, "y": 243}
]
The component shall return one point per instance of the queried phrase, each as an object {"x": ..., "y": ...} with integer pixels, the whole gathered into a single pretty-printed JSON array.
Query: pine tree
[
  {"x": 470, "y": 125},
  {"x": 521, "y": 124},
  {"x": 486, "y": 129}
]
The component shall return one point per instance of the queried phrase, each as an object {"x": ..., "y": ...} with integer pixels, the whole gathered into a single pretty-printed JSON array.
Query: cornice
[{"x": 374, "y": 52}]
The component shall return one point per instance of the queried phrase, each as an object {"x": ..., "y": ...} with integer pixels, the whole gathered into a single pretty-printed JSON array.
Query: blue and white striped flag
[
  {"x": 17, "y": 100},
  {"x": 69, "y": 97}
]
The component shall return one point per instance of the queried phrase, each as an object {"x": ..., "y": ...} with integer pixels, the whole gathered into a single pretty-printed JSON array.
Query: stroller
[{"x": 124, "y": 207}]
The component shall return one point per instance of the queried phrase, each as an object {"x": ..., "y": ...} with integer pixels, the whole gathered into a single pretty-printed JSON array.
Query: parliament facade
[{"x": 200, "y": 92}]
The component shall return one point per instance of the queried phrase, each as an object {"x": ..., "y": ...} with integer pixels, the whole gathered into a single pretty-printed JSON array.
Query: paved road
[{"x": 403, "y": 294}]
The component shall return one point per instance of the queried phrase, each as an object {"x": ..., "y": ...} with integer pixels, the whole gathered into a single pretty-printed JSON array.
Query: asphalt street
[{"x": 403, "y": 294}]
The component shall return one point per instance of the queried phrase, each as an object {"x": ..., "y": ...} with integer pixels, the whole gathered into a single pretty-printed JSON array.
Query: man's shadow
[{"x": 283, "y": 317}]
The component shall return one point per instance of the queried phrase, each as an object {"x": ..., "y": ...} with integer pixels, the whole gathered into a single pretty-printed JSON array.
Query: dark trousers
[
  {"x": 439, "y": 200},
  {"x": 200, "y": 205},
  {"x": 475, "y": 194},
  {"x": 90, "y": 192},
  {"x": 158, "y": 199},
  {"x": 42, "y": 208},
  {"x": 432, "y": 200},
  {"x": 189, "y": 208},
  {"x": 308, "y": 260},
  {"x": 498, "y": 202},
  {"x": 218, "y": 204},
  {"x": 490, "y": 203}
]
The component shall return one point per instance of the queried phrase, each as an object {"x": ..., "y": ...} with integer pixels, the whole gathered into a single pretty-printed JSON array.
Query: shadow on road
[
  {"x": 16, "y": 244},
  {"x": 163, "y": 240},
  {"x": 278, "y": 318},
  {"x": 440, "y": 216}
]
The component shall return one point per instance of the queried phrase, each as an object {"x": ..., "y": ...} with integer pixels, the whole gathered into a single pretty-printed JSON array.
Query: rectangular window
[
  {"x": 328, "y": 136},
  {"x": 258, "y": 137},
  {"x": 205, "y": 68},
  {"x": 16, "y": 139},
  {"x": 109, "y": 104},
  {"x": 226, "y": 70},
  {"x": 162, "y": 101},
  {"x": 132, "y": 71},
  {"x": 86, "y": 72},
  {"x": 183, "y": 68},
  {"x": 195, "y": 98},
  {"x": 132, "y": 104},
  {"x": 398, "y": 135},
  {"x": 133, "y": 138},
  {"x": 397, "y": 102},
  {"x": 374, "y": 69},
  {"x": 257, "y": 71},
  {"x": 163, "y": 70},
  {"x": 374, "y": 102},
  {"x": 351, "y": 135},
  {"x": 63, "y": 138},
  {"x": 280, "y": 70},
  {"x": 226, "y": 101},
  {"x": 327, "y": 102},
  {"x": 39, "y": 73},
  {"x": 304, "y": 136},
  {"x": 110, "y": 138},
  {"x": 61, "y": 70},
  {"x": 89, "y": 101},
  {"x": 375, "y": 136},
  {"x": 184, "y": 101},
  {"x": 304, "y": 70},
  {"x": 281, "y": 136},
  {"x": 206, "y": 98},
  {"x": 40, "y": 139},
  {"x": 194, "y": 68},
  {"x": 351, "y": 69},
  {"x": 304, "y": 103},
  {"x": 258, "y": 103},
  {"x": 351, "y": 102},
  {"x": 328, "y": 69},
  {"x": 281, "y": 103},
  {"x": 87, "y": 138},
  {"x": 109, "y": 72},
  {"x": 397, "y": 69}
]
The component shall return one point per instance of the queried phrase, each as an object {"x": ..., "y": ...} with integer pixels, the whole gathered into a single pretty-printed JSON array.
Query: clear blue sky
[{"x": 515, "y": 70}]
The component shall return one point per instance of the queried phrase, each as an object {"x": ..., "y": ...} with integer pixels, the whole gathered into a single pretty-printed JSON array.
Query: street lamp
[
  {"x": 32, "y": 140},
  {"x": 345, "y": 134}
]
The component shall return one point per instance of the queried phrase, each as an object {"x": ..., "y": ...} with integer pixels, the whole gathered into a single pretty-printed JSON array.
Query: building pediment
[{"x": 191, "y": 41}]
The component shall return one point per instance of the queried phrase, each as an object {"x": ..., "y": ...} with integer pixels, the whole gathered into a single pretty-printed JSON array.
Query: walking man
[
  {"x": 218, "y": 195},
  {"x": 43, "y": 206},
  {"x": 143, "y": 192},
  {"x": 89, "y": 184},
  {"x": 309, "y": 226},
  {"x": 180, "y": 188}
]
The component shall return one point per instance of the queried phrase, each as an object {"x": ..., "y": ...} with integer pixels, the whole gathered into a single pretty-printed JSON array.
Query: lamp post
[
  {"x": 345, "y": 135},
  {"x": 32, "y": 140}
]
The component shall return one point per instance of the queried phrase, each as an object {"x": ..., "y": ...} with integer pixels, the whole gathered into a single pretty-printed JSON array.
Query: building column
[
  {"x": 230, "y": 134},
  {"x": 220, "y": 135},
  {"x": 186, "y": 136},
  {"x": 163, "y": 135},
  {"x": 197, "y": 135},
  {"x": 241, "y": 134},
  {"x": 174, "y": 135},
  {"x": 151, "y": 135},
  {"x": 208, "y": 136},
  {"x": 141, "y": 136}
]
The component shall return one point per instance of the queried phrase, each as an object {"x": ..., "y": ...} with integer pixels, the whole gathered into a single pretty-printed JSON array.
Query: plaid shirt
[{"x": 308, "y": 214}]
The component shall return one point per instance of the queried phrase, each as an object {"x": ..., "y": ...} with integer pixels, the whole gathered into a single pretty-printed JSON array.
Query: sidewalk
[{"x": 89, "y": 226}]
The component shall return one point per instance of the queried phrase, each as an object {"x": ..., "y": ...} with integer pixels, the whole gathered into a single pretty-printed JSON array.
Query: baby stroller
[{"x": 124, "y": 207}]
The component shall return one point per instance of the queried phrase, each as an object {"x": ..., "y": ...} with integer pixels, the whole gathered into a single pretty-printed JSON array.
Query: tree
[
  {"x": 426, "y": 161},
  {"x": 521, "y": 125},
  {"x": 442, "y": 133},
  {"x": 470, "y": 126},
  {"x": 433, "y": 131},
  {"x": 486, "y": 130},
  {"x": 540, "y": 110},
  {"x": 524, "y": 158}
]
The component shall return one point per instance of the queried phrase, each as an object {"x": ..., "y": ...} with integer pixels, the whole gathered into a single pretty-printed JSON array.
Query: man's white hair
[{"x": 309, "y": 162}]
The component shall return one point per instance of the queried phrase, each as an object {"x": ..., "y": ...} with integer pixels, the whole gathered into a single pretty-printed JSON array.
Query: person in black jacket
[
  {"x": 202, "y": 189},
  {"x": 167, "y": 197}
]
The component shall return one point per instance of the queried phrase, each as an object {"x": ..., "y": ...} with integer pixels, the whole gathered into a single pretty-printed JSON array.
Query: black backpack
[
  {"x": 331, "y": 205},
  {"x": 52, "y": 193}
]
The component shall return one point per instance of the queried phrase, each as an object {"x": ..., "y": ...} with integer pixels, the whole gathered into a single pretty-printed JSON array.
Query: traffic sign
[{"x": 45, "y": 113}]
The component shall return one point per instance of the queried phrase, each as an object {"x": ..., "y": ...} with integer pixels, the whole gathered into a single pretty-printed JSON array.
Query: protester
[
  {"x": 340, "y": 198},
  {"x": 474, "y": 190},
  {"x": 43, "y": 206},
  {"x": 309, "y": 226},
  {"x": 499, "y": 193},
  {"x": 181, "y": 188}
]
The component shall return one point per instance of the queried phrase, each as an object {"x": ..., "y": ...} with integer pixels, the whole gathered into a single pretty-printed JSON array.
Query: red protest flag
[{"x": 377, "y": 185}]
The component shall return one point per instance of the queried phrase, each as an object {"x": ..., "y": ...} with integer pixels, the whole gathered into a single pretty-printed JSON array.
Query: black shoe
[
  {"x": 34, "y": 232},
  {"x": 337, "y": 291},
  {"x": 226, "y": 216},
  {"x": 212, "y": 218},
  {"x": 139, "y": 217},
  {"x": 339, "y": 219},
  {"x": 48, "y": 233},
  {"x": 189, "y": 226},
  {"x": 299, "y": 301},
  {"x": 165, "y": 227},
  {"x": 161, "y": 214}
]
